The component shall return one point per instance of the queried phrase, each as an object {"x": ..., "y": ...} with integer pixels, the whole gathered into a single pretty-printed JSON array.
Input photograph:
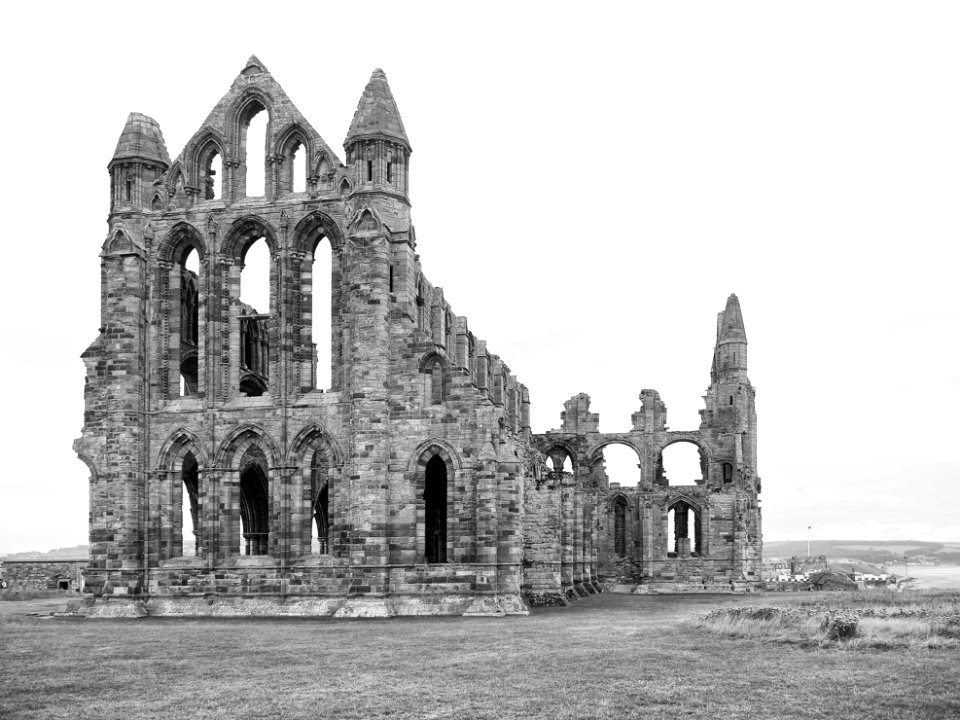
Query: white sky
[{"x": 589, "y": 184}]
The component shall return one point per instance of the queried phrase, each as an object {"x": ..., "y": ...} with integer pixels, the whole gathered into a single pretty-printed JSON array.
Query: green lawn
[{"x": 608, "y": 656}]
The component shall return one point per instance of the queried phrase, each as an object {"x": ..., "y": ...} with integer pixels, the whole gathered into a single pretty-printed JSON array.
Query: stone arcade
[{"x": 412, "y": 484}]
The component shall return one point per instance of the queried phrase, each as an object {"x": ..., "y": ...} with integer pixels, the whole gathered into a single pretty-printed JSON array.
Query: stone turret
[
  {"x": 140, "y": 158},
  {"x": 730, "y": 355},
  {"x": 377, "y": 146}
]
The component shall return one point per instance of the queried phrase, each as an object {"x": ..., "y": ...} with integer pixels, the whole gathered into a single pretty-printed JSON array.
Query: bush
[{"x": 840, "y": 626}]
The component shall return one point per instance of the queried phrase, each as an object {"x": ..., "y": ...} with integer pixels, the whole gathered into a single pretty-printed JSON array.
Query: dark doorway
[{"x": 435, "y": 510}]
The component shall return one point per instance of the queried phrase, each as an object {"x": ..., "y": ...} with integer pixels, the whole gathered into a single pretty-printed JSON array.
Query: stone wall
[{"x": 43, "y": 575}]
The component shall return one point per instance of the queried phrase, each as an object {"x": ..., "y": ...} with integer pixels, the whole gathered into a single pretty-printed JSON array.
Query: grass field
[{"x": 608, "y": 656}]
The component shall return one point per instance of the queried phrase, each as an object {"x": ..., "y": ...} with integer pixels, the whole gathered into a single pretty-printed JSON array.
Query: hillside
[
  {"x": 70, "y": 553},
  {"x": 878, "y": 552}
]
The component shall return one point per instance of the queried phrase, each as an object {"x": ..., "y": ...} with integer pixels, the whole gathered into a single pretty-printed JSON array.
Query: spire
[
  {"x": 141, "y": 139},
  {"x": 377, "y": 115},
  {"x": 731, "y": 323}
]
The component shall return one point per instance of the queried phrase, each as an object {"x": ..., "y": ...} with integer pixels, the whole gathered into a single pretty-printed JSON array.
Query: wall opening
[
  {"x": 255, "y": 319},
  {"x": 620, "y": 526},
  {"x": 682, "y": 463},
  {"x": 254, "y": 510},
  {"x": 299, "y": 168},
  {"x": 432, "y": 376},
  {"x": 189, "y": 323},
  {"x": 683, "y": 531},
  {"x": 320, "y": 492},
  {"x": 190, "y": 481},
  {"x": 622, "y": 464},
  {"x": 213, "y": 177},
  {"x": 435, "y": 510},
  {"x": 321, "y": 297},
  {"x": 254, "y": 149},
  {"x": 727, "y": 473}
]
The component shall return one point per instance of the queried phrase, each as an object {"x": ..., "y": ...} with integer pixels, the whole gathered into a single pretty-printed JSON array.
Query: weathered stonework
[{"x": 413, "y": 484}]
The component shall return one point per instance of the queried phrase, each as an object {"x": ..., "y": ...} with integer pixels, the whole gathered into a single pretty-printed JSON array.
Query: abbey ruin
[{"x": 411, "y": 482}]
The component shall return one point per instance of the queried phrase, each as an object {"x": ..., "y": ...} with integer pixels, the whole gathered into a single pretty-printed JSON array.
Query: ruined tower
[
  {"x": 226, "y": 478},
  {"x": 663, "y": 537}
]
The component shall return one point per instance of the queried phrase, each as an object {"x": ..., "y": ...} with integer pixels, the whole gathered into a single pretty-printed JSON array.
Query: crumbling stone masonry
[{"x": 412, "y": 484}]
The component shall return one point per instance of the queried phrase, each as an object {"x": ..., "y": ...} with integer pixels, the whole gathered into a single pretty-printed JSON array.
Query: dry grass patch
[
  {"x": 607, "y": 656},
  {"x": 875, "y": 619}
]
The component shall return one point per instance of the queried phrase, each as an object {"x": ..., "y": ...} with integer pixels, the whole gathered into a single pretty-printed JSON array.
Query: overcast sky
[{"x": 589, "y": 184}]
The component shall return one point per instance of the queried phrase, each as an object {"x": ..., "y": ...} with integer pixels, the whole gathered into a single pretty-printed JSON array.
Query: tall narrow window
[
  {"x": 321, "y": 314},
  {"x": 128, "y": 190},
  {"x": 433, "y": 391},
  {"x": 391, "y": 278},
  {"x": 299, "y": 169},
  {"x": 727, "y": 473},
  {"x": 189, "y": 506},
  {"x": 254, "y": 149},
  {"x": 254, "y": 509},
  {"x": 435, "y": 510},
  {"x": 189, "y": 323},
  {"x": 322, "y": 522},
  {"x": 255, "y": 319},
  {"x": 389, "y": 172},
  {"x": 212, "y": 177},
  {"x": 620, "y": 526},
  {"x": 369, "y": 170}
]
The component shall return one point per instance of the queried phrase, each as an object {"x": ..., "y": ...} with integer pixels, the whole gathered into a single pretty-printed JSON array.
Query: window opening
[
  {"x": 682, "y": 463},
  {"x": 189, "y": 486},
  {"x": 157, "y": 203},
  {"x": 254, "y": 319},
  {"x": 212, "y": 173},
  {"x": 189, "y": 322},
  {"x": 435, "y": 510},
  {"x": 389, "y": 172},
  {"x": 369, "y": 170},
  {"x": 391, "y": 278},
  {"x": 620, "y": 527},
  {"x": 621, "y": 464},
  {"x": 727, "y": 473},
  {"x": 322, "y": 522},
  {"x": 433, "y": 382},
  {"x": 321, "y": 310},
  {"x": 299, "y": 169},
  {"x": 128, "y": 190},
  {"x": 254, "y": 511},
  {"x": 683, "y": 531},
  {"x": 255, "y": 148}
]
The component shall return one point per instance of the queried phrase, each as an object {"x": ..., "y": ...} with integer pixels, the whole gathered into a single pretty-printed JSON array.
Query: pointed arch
[
  {"x": 118, "y": 244},
  {"x": 344, "y": 188},
  {"x": 243, "y": 232},
  {"x": 180, "y": 442},
  {"x": 367, "y": 221},
  {"x": 434, "y": 464},
  {"x": 237, "y": 442},
  {"x": 179, "y": 241},
  {"x": 686, "y": 541},
  {"x": 323, "y": 168},
  {"x": 313, "y": 228},
  {"x": 434, "y": 446},
  {"x": 434, "y": 371},
  {"x": 288, "y": 141},
  {"x": 314, "y": 436}
]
